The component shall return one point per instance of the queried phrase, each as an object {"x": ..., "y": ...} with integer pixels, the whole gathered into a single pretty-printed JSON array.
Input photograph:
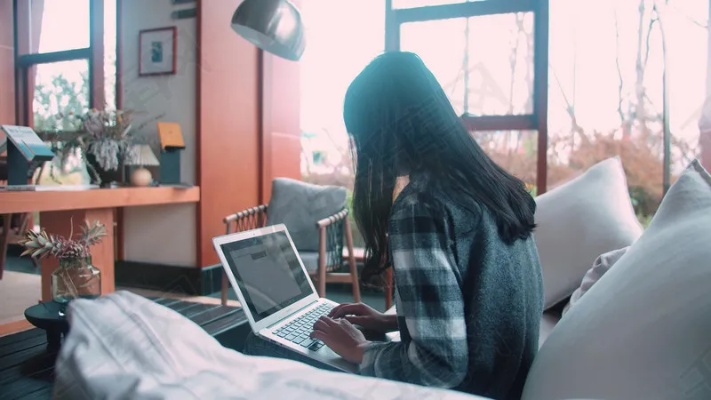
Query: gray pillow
[
  {"x": 602, "y": 264},
  {"x": 299, "y": 205}
]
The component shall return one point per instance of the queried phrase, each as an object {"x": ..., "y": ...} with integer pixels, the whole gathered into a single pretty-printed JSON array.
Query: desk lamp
[
  {"x": 142, "y": 156},
  {"x": 272, "y": 25}
]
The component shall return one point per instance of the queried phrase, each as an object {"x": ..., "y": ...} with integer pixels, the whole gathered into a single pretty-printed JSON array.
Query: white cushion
[
  {"x": 600, "y": 267},
  {"x": 548, "y": 323},
  {"x": 123, "y": 346},
  {"x": 643, "y": 331},
  {"x": 587, "y": 216}
]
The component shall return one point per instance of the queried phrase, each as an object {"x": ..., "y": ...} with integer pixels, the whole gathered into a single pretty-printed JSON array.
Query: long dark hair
[{"x": 401, "y": 122}]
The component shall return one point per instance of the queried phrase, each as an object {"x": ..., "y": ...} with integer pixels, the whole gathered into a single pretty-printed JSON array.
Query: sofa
[{"x": 628, "y": 316}]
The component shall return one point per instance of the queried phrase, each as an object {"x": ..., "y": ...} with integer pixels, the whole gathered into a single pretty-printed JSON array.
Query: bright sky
[
  {"x": 65, "y": 26},
  {"x": 337, "y": 49}
]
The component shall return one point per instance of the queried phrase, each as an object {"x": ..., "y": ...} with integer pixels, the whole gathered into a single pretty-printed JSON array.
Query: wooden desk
[{"x": 58, "y": 208}]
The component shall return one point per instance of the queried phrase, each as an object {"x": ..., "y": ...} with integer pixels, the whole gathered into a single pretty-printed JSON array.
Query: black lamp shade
[{"x": 274, "y": 26}]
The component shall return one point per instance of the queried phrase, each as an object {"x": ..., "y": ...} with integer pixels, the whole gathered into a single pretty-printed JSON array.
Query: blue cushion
[{"x": 299, "y": 205}]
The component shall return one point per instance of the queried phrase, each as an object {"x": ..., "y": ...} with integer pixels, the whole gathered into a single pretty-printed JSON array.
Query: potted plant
[
  {"x": 106, "y": 140},
  {"x": 75, "y": 276}
]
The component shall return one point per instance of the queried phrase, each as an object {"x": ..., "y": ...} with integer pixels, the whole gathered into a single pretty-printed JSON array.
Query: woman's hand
[
  {"x": 342, "y": 337},
  {"x": 363, "y": 315}
]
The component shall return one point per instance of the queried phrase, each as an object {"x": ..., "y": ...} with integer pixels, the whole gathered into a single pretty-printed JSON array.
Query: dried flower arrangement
[
  {"x": 41, "y": 245},
  {"x": 107, "y": 136}
]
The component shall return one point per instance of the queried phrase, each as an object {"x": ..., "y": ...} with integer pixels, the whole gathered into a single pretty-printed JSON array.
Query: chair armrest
[
  {"x": 339, "y": 216},
  {"x": 245, "y": 213},
  {"x": 251, "y": 218}
]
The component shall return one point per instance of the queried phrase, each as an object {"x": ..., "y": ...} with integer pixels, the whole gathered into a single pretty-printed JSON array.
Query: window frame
[
  {"x": 538, "y": 119},
  {"x": 25, "y": 61}
]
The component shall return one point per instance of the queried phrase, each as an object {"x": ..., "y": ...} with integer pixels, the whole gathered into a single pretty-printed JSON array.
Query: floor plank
[
  {"x": 14, "y": 327},
  {"x": 11, "y": 343}
]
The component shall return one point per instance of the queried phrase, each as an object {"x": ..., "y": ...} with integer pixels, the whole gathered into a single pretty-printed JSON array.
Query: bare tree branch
[
  {"x": 654, "y": 19},
  {"x": 620, "y": 86},
  {"x": 700, "y": 23}
]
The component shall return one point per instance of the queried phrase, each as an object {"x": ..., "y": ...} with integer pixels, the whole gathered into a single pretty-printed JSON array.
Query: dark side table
[{"x": 46, "y": 316}]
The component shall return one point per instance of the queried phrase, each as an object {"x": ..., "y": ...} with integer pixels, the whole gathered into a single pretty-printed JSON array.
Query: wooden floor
[{"x": 27, "y": 369}]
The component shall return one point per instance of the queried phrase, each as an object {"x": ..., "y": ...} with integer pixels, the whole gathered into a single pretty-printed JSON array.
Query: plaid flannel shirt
[
  {"x": 468, "y": 304},
  {"x": 433, "y": 347}
]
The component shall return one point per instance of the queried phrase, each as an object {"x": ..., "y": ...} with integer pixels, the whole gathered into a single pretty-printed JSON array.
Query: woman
[
  {"x": 455, "y": 228},
  {"x": 457, "y": 231}
]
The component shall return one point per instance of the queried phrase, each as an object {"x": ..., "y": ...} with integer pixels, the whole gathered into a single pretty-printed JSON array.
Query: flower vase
[
  {"x": 75, "y": 278},
  {"x": 106, "y": 177}
]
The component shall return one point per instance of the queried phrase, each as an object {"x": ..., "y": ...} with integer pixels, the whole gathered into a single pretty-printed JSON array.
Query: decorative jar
[{"x": 75, "y": 278}]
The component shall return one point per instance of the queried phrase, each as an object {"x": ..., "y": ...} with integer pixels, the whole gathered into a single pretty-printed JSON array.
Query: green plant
[
  {"x": 41, "y": 244},
  {"x": 107, "y": 135},
  {"x": 644, "y": 220},
  {"x": 56, "y": 106}
]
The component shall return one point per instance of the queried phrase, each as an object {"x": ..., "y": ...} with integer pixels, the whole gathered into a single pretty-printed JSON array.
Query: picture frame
[{"x": 157, "y": 50}]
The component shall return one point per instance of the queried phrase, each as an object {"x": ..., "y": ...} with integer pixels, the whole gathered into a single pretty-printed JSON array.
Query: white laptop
[{"x": 276, "y": 292}]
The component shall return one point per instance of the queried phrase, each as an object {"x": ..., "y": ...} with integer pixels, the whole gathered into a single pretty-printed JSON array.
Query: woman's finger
[
  {"x": 328, "y": 321},
  {"x": 345, "y": 323},
  {"x": 355, "y": 319},
  {"x": 337, "y": 309},
  {"x": 320, "y": 335},
  {"x": 320, "y": 325},
  {"x": 347, "y": 309}
]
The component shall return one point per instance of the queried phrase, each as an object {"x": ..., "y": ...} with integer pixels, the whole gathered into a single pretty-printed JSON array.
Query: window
[
  {"x": 514, "y": 150},
  {"x": 607, "y": 90},
  {"x": 486, "y": 67},
  {"x": 110, "y": 55},
  {"x": 66, "y": 59},
  {"x": 490, "y": 56},
  {"x": 63, "y": 25},
  {"x": 615, "y": 73},
  {"x": 338, "y": 49},
  {"x": 61, "y": 95}
]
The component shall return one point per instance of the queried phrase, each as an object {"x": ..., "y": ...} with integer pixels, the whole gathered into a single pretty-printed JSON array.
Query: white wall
[{"x": 161, "y": 234}]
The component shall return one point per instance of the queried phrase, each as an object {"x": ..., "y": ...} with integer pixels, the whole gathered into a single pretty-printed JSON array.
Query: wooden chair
[{"x": 332, "y": 230}]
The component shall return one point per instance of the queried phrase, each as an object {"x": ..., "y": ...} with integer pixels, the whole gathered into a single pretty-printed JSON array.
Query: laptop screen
[{"x": 268, "y": 273}]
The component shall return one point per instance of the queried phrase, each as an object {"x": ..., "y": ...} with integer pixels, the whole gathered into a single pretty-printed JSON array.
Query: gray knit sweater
[{"x": 468, "y": 305}]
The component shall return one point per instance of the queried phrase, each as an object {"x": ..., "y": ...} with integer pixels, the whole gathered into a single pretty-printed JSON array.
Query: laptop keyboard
[{"x": 298, "y": 330}]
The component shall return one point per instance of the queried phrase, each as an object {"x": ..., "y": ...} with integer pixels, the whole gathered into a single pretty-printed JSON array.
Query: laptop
[{"x": 276, "y": 292}]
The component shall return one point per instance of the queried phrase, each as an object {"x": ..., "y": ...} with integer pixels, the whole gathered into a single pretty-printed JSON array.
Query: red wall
[
  {"x": 248, "y": 122},
  {"x": 7, "y": 64}
]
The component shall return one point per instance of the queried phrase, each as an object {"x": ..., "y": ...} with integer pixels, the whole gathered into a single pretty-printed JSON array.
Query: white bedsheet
[{"x": 123, "y": 346}]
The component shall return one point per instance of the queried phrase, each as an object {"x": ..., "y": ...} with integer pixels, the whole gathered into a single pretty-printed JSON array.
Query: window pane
[
  {"x": 486, "y": 67},
  {"x": 424, "y": 3},
  {"x": 325, "y": 71},
  {"x": 61, "y": 94},
  {"x": 63, "y": 25},
  {"x": 325, "y": 79},
  {"x": 514, "y": 151},
  {"x": 606, "y": 93},
  {"x": 110, "y": 54}
]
